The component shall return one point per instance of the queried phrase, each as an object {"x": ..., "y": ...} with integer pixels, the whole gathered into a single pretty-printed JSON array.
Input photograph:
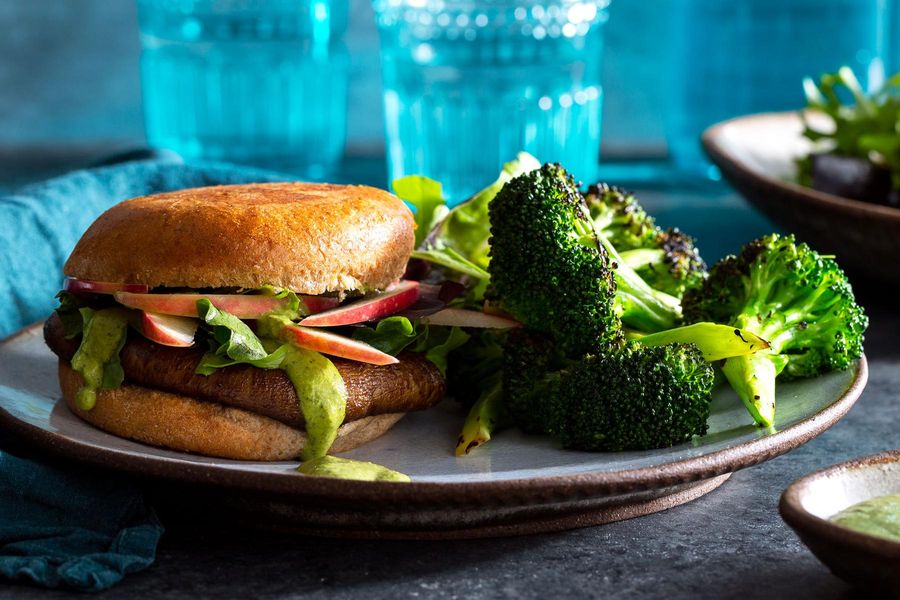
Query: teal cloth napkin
[{"x": 74, "y": 529}]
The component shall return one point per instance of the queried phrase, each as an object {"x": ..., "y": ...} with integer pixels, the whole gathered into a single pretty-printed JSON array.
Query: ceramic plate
[
  {"x": 757, "y": 155},
  {"x": 515, "y": 484}
]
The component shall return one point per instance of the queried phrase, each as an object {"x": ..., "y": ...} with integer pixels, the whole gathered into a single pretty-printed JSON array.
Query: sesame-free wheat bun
[
  {"x": 306, "y": 237},
  {"x": 309, "y": 238}
]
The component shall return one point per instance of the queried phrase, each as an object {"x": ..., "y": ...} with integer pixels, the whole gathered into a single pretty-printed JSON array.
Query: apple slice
[
  {"x": 243, "y": 306},
  {"x": 317, "y": 304},
  {"x": 185, "y": 305},
  {"x": 399, "y": 296},
  {"x": 86, "y": 286},
  {"x": 336, "y": 345},
  {"x": 469, "y": 318},
  {"x": 168, "y": 330}
]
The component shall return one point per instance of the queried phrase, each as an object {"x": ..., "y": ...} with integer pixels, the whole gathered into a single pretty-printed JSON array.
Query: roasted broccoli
[
  {"x": 546, "y": 266},
  {"x": 666, "y": 259},
  {"x": 551, "y": 270},
  {"x": 798, "y": 300},
  {"x": 632, "y": 397}
]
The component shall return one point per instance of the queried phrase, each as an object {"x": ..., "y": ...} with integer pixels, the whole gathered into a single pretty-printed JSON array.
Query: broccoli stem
[
  {"x": 486, "y": 416},
  {"x": 715, "y": 341},
  {"x": 753, "y": 378},
  {"x": 639, "y": 305},
  {"x": 642, "y": 257}
]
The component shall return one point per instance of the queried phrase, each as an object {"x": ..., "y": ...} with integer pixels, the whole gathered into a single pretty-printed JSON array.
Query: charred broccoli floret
[
  {"x": 546, "y": 266},
  {"x": 631, "y": 397},
  {"x": 618, "y": 215},
  {"x": 798, "y": 300},
  {"x": 551, "y": 270},
  {"x": 667, "y": 260},
  {"x": 530, "y": 364}
]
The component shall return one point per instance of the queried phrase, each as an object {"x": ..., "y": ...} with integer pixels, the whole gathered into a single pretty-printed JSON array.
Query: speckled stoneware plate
[
  {"x": 807, "y": 505},
  {"x": 757, "y": 155},
  {"x": 516, "y": 484}
]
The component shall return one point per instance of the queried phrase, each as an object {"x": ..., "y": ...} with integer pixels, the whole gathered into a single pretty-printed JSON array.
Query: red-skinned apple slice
[
  {"x": 399, "y": 296},
  {"x": 168, "y": 330},
  {"x": 243, "y": 306},
  {"x": 336, "y": 345},
  {"x": 460, "y": 317},
  {"x": 86, "y": 286},
  {"x": 317, "y": 304}
]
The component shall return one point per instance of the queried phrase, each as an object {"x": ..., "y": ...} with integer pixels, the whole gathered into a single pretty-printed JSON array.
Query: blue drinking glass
[
  {"x": 737, "y": 57},
  {"x": 469, "y": 84},
  {"x": 892, "y": 28},
  {"x": 637, "y": 78},
  {"x": 260, "y": 82}
]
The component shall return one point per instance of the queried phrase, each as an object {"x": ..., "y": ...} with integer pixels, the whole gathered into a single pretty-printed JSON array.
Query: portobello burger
[{"x": 224, "y": 321}]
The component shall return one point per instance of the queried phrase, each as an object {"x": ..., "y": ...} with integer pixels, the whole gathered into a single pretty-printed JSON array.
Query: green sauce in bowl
[{"x": 879, "y": 516}]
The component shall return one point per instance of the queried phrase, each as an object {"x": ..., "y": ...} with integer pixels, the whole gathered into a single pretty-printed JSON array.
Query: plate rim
[
  {"x": 452, "y": 494},
  {"x": 711, "y": 140}
]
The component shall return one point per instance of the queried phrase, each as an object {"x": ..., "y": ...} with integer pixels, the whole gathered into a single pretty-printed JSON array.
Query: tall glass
[
  {"x": 468, "y": 84},
  {"x": 892, "y": 27},
  {"x": 260, "y": 82},
  {"x": 637, "y": 76},
  {"x": 744, "y": 56}
]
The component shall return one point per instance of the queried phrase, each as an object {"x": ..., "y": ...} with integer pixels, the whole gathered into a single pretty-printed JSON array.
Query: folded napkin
[
  {"x": 74, "y": 528},
  {"x": 40, "y": 224},
  {"x": 71, "y": 529}
]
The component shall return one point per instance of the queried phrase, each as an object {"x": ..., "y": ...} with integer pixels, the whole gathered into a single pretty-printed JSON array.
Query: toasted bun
[
  {"x": 181, "y": 423},
  {"x": 310, "y": 238}
]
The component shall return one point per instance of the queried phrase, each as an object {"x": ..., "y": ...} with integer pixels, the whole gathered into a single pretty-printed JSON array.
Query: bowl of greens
[{"x": 830, "y": 173}]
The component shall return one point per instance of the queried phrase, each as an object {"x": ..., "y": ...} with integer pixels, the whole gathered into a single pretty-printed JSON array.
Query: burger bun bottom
[{"x": 181, "y": 423}]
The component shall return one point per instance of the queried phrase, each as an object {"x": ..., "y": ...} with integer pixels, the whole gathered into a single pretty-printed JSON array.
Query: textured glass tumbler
[
  {"x": 259, "y": 82},
  {"x": 469, "y": 84},
  {"x": 745, "y": 56}
]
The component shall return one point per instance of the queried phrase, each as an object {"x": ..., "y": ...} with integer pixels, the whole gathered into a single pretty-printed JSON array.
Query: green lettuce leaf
[
  {"x": 233, "y": 342},
  {"x": 440, "y": 342},
  {"x": 212, "y": 361},
  {"x": 453, "y": 260},
  {"x": 395, "y": 334},
  {"x": 426, "y": 197},
  {"x": 295, "y": 307},
  {"x": 467, "y": 227},
  {"x": 235, "y": 338},
  {"x": 69, "y": 314}
]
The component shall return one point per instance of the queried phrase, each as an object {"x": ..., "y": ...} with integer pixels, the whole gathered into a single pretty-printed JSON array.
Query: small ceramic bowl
[
  {"x": 757, "y": 155},
  {"x": 807, "y": 505}
]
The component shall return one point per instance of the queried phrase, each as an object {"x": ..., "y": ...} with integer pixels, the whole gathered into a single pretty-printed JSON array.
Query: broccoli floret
[
  {"x": 529, "y": 377},
  {"x": 667, "y": 260},
  {"x": 617, "y": 214},
  {"x": 545, "y": 264},
  {"x": 551, "y": 270},
  {"x": 798, "y": 300},
  {"x": 631, "y": 397}
]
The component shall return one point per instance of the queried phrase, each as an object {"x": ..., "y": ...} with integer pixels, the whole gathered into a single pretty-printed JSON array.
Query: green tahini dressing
[
  {"x": 323, "y": 402},
  {"x": 97, "y": 358},
  {"x": 322, "y": 394},
  {"x": 878, "y": 516},
  {"x": 344, "y": 468}
]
